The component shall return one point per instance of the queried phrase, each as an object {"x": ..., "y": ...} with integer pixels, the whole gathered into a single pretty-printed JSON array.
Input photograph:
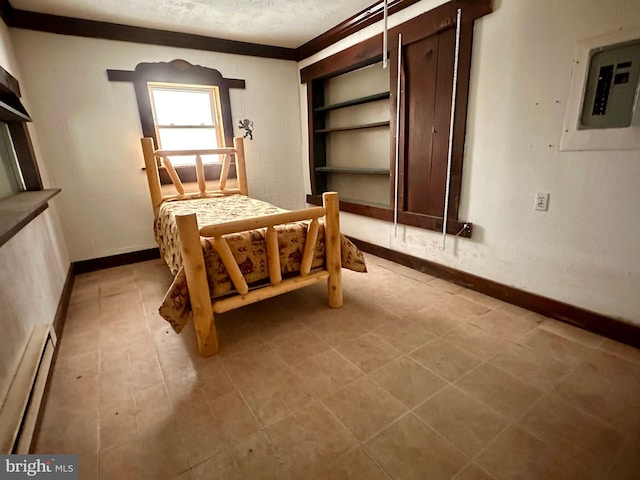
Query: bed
[{"x": 227, "y": 250}]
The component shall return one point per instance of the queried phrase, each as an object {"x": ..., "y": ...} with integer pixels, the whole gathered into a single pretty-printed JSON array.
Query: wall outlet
[{"x": 542, "y": 201}]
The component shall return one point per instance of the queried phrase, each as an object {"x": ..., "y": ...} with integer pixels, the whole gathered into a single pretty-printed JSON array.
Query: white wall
[
  {"x": 33, "y": 264},
  {"x": 93, "y": 131},
  {"x": 585, "y": 250}
]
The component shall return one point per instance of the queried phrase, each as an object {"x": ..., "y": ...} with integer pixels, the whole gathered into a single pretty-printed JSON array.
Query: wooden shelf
[
  {"x": 356, "y": 170},
  {"x": 354, "y": 102},
  {"x": 353, "y": 127}
]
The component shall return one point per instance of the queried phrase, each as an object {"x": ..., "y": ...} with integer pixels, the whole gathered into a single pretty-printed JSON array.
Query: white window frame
[{"x": 217, "y": 127}]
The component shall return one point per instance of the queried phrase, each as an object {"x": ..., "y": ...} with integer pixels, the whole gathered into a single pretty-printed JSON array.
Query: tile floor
[{"x": 414, "y": 378}]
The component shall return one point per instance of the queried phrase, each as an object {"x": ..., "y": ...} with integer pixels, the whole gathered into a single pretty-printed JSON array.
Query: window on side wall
[
  {"x": 187, "y": 117},
  {"x": 11, "y": 181}
]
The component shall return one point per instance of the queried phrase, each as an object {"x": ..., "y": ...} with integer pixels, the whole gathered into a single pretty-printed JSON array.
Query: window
[
  {"x": 187, "y": 117},
  {"x": 11, "y": 181},
  {"x": 204, "y": 116},
  {"x": 22, "y": 197}
]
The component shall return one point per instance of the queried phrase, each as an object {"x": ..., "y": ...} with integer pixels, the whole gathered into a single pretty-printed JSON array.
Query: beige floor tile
[
  {"x": 203, "y": 441},
  {"x": 338, "y": 329},
  {"x": 554, "y": 346},
  {"x": 309, "y": 440},
  {"x": 67, "y": 432},
  {"x": 406, "y": 334},
  {"x": 474, "y": 472},
  {"x": 353, "y": 465},
  {"x": 368, "y": 352},
  {"x": 85, "y": 289},
  {"x": 236, "y": 419},
  {"x": 122, "y": 305},
  {"x": 299, "y": 347},
  {"x": 371, "y": 316},
  {"x": 513, "y": 455},
  {"x": 445, "y": 286},
  {"x": 465, "y": 422},
  {"x": 438, "y": 319},
  {"x": 448, "y": 361},
  {"x": 620, "y": 350},
  {"x": 627, "y": 465},
  {"x": 254, "y": 458},
  {"x": 122, "y": 461},
  {"x": 608, "y": 388},
  {"x": 575, "y": 434},
  {"x": 212, "y": 379},
  {"x": 252, "y": 366},
  {"x": 557, "y": 466},
  {"x": 408, "y": 381},
  {"x": 504, "y": 324},
  {"x": 476, "y": 341},
  {"x": 144, "y": 372},
  {"x": 212, "y": 382},
  {"x": 364, "y": 407},
  {"x": 81, "y": 342},
  {"x": 238, "y": 339},
  {"x": 118, "y": 424},
  {"x": 571, "y": 332},
  {"x": 82, "y": 318},
  {"x": 504, "y": 393},
  {"x": 272, "y": 329},
  {"x": 326, "y": 372},
  {"x": 222, "y": 465},
  {"x": 480, "y": 298},
  {"x": 462, "y": 307},
  {"x": 514, "y": 310},
  {"x": 154, "y": 413},
  {"x": 252, "y": 411},
  {"x": 115, "y": 388},
  {"x": 537, "y": 370},
  {"x": 69, "y": 366},
  {"x": 400, "y": 450},
  {"x": 74, "y": 395},
  {"x": 164, "y": 455},
  {"x": 273, "y": 400},
  {"x": 409, "y": 297}
]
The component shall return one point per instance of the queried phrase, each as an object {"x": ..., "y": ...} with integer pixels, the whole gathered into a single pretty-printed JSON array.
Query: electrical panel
[{"x": 611, "y": 94}]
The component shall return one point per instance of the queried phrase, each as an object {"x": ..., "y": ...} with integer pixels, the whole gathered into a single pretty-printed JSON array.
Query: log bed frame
[{"x": 203, "y": 306}]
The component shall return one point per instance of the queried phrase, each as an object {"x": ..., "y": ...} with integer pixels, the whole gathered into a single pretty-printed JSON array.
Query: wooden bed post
[
  {"x": 153, "y": 178},
  {"x": 332, "y": 242},
  {"x": 241, "y": 171},
  {"x": 199, "y": 295}
]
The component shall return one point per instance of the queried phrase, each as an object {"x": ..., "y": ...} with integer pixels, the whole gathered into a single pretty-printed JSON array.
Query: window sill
[{"x": 18, "y": 210}]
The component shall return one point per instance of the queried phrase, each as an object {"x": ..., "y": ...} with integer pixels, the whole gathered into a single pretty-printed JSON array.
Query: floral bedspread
[{"x": 248, "y": 248}]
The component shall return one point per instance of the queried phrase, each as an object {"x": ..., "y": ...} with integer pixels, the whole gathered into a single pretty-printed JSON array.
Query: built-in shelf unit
[
  {"x": 381, "y": 137},
  {"x": 351, "y": 129}
]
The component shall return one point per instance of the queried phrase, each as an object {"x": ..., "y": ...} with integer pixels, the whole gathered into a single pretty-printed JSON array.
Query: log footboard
[
  {"x": 203, "y": 307},
  {"x": 199, "y": 295}
]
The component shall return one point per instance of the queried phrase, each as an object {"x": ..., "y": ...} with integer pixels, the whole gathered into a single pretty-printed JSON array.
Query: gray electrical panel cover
[{"x": 612, "y": 86}]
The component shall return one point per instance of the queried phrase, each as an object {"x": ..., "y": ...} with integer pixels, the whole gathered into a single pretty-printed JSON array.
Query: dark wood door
[{"x": 427, "y": 79}]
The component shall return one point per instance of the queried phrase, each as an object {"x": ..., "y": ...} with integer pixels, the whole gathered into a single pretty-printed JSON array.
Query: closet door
[{"x": 425, "y": 110}]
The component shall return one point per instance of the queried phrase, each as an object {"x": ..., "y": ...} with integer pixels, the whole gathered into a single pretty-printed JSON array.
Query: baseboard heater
[{"x": 19, "y": 412}]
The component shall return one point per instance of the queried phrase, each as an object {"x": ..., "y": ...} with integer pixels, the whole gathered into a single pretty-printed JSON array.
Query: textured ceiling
[{"x": 284, "y": 23}]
